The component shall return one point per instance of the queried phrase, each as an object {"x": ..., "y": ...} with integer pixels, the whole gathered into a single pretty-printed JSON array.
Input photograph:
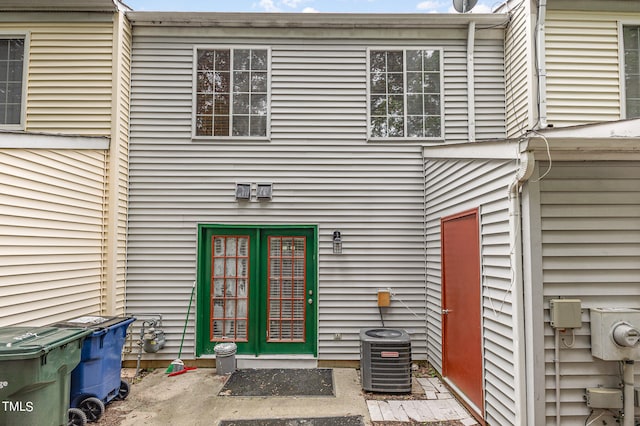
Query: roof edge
[
  {"x": 316, "y": 20},
  {"x": 32, "y": 140}
]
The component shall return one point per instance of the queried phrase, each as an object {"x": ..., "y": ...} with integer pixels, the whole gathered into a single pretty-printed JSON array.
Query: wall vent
[{"x": 385, "y": 360}]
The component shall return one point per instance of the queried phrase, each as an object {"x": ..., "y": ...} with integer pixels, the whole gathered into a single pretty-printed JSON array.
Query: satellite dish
[{"x": 464, "y": 6}]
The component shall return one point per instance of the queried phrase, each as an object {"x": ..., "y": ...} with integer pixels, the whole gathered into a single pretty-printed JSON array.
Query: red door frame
[{"x": 461, "y": 305}]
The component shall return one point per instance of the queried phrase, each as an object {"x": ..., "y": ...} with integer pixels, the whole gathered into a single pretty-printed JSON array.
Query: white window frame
[
  {"x": 195, "y": 87},
  {"x": 622, "y": 66},
  {"x": 404, "y": 49},
  {"x": 26, "y": 36}
]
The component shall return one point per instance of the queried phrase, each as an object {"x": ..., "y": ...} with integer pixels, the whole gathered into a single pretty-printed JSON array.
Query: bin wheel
[
  {"x": 93, "y": 408},
  {"x": 123, "y": 392},
  {"x": 76, "y": 417}
]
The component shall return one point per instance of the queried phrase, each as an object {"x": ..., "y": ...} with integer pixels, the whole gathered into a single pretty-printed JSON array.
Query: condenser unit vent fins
[{"x": 385, "y": 360}]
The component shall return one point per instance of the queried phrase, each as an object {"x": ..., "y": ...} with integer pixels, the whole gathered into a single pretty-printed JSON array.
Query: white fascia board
[
  {"x": 318, "y": 20},
  {"x": 62, "y": 6},
  {"x": 585, "y": 149},
  {"x": 21, "y": 140},
  {"x": 500, "y": 150},
  {"x": 616, "y": 140},
  {"x": 610, "y": 129},
  {"x": 620, "y": 6}
]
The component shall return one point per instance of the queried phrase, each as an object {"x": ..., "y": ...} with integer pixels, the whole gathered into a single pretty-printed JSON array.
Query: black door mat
[
  {"x": 314, "y": 421},
  {"x": 280, "y": 382}
]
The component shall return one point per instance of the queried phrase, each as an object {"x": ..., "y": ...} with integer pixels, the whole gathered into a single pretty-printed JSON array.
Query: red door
[{"x": 461, "y": 318}]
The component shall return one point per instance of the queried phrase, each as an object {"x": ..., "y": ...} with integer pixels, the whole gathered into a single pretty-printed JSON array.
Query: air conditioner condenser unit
[{"x": 385, "y": 360}]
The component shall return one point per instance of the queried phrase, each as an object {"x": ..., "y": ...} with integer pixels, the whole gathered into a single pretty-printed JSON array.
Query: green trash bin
[{"x": 35, "y": 374}]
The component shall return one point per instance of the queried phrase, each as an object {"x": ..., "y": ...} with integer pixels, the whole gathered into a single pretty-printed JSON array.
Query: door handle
[
  {"x": 310, "y": 301},
  {"x": 446, "y": 311}
]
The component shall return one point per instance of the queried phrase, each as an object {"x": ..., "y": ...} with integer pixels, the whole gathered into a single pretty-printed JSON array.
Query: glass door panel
[{"x": 287, "y": 289}]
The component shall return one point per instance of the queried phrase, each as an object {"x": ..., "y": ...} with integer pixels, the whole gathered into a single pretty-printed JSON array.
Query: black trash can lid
[{"x": 93, "y": 322}]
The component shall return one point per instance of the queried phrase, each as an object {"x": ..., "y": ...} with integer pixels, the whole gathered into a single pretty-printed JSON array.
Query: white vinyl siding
[
  {"x": 519, "y": 69},
  {"x": 376, "y": 203},
  {"x": 590, "y": 237},
  {"x": 323, "y": 172},
  {"x": 51, "y": 225},
  {"x": 583, "y": 68},
  {"x": 489, "y": 91},
  {"x": 454, "y": 186}
]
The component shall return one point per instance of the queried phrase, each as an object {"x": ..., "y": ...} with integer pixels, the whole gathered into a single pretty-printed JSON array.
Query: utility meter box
[
  {"x": 610, "y": 398},
  {"x": 565, "y": 313},
  {"x": 615, "y": 333}
]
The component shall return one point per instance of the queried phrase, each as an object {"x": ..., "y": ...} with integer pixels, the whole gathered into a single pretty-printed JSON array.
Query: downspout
[
  {"x": 426, "y": 259},
  {"x": 628, "y": 392},
  {"x": 524, "y": 172},
  {"x": 541, "y": 65},
  {"x": 471, "y": 89}
]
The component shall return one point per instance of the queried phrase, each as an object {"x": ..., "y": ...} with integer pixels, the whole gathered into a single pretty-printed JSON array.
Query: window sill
[
  {"x": 230, "y": 139},
  {"x": 406, "y": 140}
]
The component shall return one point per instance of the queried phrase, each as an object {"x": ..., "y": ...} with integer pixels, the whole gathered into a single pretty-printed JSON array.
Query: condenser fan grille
[{"x": 385, "y": 356}]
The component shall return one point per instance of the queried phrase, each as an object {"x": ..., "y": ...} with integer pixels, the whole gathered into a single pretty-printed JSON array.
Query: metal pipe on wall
[
  {"x": 471, "y": 89},
  {"x": 524, "y": 172},
  {"x": 628, "y": 392}
]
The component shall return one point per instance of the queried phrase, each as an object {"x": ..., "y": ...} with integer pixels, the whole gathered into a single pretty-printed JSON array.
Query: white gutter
[
  {"x": 523, "y": 173},
  {"x": 349, "y": 21},
  {"x": 471, "y": 88},
  {"x": 541, "y": 65}
]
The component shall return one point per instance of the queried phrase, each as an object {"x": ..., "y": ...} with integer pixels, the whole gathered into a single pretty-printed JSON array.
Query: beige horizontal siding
[
  {"x": 51, "y": 205},
  {"x": 69, "y": 76},
  {"x": 115, "y": 283},
  {"x": 583, "y": 75}
]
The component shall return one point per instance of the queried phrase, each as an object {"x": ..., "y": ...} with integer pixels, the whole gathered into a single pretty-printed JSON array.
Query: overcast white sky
[{"x": 308, "y": 6}]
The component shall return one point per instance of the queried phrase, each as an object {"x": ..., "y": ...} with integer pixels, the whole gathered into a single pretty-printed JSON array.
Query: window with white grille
[
  {"x": 232, "y": 92},
  {"x": 405, "y": 93}
]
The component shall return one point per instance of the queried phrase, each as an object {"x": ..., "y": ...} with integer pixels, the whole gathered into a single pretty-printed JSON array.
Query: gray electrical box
[
  {"x": 615, "y": 333},
  {"x": 604, "y": 398},
  {"x": 566, "y": 313}
]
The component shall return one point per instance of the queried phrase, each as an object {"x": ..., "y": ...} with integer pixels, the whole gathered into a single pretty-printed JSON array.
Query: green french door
[{"x": 257, "y": 287}]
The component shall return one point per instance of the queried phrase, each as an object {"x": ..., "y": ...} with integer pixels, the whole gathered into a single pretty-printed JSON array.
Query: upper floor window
[
  {"x": 405, "y": 93},
  {"x": 11, "y": 77},
  {"x": 631, "y": 39},
  {"x": 231, "y": 97}
]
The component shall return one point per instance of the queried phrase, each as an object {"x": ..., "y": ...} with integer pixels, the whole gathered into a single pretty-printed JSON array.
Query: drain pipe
[
  {"x": 628, "y": 392},
  {"x": 541, "y": 65},
  {"x": 471, "y": 88},
  {"x": 524, "y": 172},
  {"x": 556, "y": 372}
]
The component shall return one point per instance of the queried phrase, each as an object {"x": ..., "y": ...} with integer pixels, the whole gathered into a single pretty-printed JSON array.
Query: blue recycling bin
[{"x": 96, "y": 380}]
